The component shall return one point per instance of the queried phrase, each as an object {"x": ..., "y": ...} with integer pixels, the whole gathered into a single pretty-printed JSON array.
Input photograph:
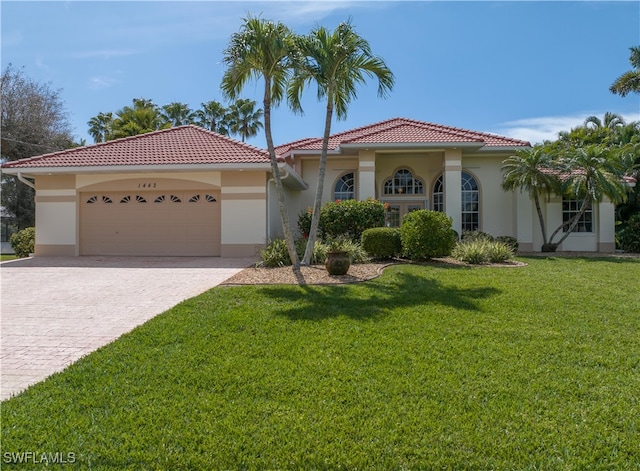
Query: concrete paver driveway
[{"x": 57, "y": 309}]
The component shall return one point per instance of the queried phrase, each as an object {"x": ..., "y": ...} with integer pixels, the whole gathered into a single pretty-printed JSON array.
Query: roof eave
[
  {"x": 291, "y": 179},
  {"x": 34, "y": 171}
]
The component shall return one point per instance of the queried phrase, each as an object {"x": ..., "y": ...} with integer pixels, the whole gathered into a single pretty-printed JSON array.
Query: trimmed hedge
[
  {"x": 426, "y": 234},
  {"x": 382, "y": 242}
]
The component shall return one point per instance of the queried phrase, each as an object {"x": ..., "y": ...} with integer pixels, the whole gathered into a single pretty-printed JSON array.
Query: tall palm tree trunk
[
  {"x": 282, "y": 203},
  {"x": 317, "y": 204}
]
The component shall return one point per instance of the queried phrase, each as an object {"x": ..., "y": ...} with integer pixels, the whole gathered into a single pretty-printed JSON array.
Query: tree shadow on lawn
[{"x": 374, "y": 300}]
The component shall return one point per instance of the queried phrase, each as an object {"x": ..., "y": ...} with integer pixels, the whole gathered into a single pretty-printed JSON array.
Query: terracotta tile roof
[
  {"x": 183, "y": 145},
  {"x": 404, "y": 131}
]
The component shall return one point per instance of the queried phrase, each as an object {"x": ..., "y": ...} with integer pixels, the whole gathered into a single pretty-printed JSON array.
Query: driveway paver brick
[{"x": 57, "y": 309}]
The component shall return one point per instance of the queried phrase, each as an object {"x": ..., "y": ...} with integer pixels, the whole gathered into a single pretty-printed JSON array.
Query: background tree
[
  {"x": 629, "y": 82},
  {"x": 33, "y": 122},
  {"x": 176, "y": 114},
  {"x": 263, "y": 49},
  {"x": 532, "y": 170},
  {"x": 244, "y": 119},
  {"x": 101, "y": 127},
  {"x": 213, "y": 116},
  {"x": 615, "y": 133},
  {"x": 142, "y": 118},
  {"x": 337, "y": 62}
]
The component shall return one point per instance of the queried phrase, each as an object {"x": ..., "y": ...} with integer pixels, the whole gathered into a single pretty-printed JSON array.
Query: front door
[{"x": 397, "y": 210}]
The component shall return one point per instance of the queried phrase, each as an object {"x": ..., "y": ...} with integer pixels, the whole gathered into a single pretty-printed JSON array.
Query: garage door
[{"x": 177, "y": 223}]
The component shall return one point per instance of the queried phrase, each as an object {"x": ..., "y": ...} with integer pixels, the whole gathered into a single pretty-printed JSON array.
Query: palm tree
[
  {"x": 144, "y": 117},
  {"x": 532, "y": 170},
  {"x": 213, "y": 116},
  {"x": 100, "y": 127},
  {"x": 337, "y": 62},
  {"x": 630, "y": 80},
  {"x": 591, "y": 173},
  {"x": 244, "y": 119},
  {"x": 263, "y": 49},
  {"x": 611, "y": 121},
  {"x": 177, "y": 114}
]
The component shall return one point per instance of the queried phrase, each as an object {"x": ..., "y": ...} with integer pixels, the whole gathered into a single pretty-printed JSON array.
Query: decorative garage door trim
[{"x": 164, "y": 223}]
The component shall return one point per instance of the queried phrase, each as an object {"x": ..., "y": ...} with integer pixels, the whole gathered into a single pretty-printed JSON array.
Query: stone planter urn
[{"x": 337, "y": 263}]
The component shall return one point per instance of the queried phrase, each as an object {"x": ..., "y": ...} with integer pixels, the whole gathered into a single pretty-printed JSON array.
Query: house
[{"x": 188, "y": 191}]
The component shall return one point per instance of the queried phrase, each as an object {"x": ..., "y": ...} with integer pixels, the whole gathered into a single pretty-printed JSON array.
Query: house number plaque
[{"x": 147, "y": 185}]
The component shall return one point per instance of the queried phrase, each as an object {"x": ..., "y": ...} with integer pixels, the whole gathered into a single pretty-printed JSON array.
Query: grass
[
  {"x": 424, "y": 368},
  {"x": 4, "y": 258}
]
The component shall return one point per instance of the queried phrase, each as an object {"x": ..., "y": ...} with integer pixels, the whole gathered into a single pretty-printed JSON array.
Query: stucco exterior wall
[
  {"x": 56, "y": 215},
  {"x": 244, "y": 218},
  {"x": 496, "y": 206}
]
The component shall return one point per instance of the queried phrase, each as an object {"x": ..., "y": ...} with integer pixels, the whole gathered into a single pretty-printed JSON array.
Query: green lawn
[
  {"x": 4, "y": 258},
  {"x": 424, "y": 368}
]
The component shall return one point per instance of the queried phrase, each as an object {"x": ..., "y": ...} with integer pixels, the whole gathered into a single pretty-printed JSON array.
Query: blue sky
[{"x": 520, "y": 69}]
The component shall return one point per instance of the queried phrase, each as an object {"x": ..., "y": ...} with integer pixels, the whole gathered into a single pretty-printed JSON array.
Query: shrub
[
  {"x": 275, "y": 254},
  {"x": 499, "y": 252},
  {"x": 382, "y": 242},
  {"x": 471, "y": 251},
  {"x": 476, "y": 235},
  {"x": 349, "y": 217},
  {"x": 512, "y": 242},
  {"x": 630, "y": 235},
  {"x": 426, "y": 234},
  {"x": 482, "y": 250},
  {"x": 23, "y": 242}
]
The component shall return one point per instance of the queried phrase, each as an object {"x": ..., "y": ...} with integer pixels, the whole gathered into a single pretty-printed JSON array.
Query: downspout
[{"x": 25, "y": 181}]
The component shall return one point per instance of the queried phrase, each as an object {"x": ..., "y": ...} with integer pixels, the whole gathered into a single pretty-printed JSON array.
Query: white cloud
[
  {"x": 102, "y": 82},
  {"x": 539, "y": 129}
]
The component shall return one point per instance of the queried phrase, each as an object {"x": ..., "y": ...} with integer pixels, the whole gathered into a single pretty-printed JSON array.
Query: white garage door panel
[{"x": 178, "y": 223}]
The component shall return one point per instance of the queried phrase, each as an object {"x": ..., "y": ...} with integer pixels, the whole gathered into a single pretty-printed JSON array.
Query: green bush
[
  {"x": 426, "y": 234},
  {"x": 512, "y": 242},
  {"x": 482, "y": 250},
  {"x": 23, "y": 242},
  {"x": 476, "y": 235},
  {"x": 630, "y": 235},
  {"x": 275, "y": 254},
  {"x": 382, "y": 242},
  {"x": 471, "y": 251},
  {"x": 349, "y": 217},
  {"x": 499, "y": 252}
]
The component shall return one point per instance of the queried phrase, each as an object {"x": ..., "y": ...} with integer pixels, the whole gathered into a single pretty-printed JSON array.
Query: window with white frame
[
  {"x": 570, "y": 208},
  {"x": 438, "y": 195},
  {"x": 403, "y": 183},
  {"x": 470, "y": 203},
  {"x": 345, "y": 188},
  {"x": 470, "y": 210}
]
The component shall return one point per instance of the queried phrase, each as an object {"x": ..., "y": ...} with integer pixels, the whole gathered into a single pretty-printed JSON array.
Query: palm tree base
[{"x": 549, "y": 247}]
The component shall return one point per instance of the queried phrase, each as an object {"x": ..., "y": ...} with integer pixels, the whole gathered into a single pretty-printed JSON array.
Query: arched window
[
  {"x": 345, "y": 188},
  {"x": 470, "y": 197},
  {"x": 438, "y": 195},
  {"x": 403, "y": 183},
  {"x": 470, "y": 203}
]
